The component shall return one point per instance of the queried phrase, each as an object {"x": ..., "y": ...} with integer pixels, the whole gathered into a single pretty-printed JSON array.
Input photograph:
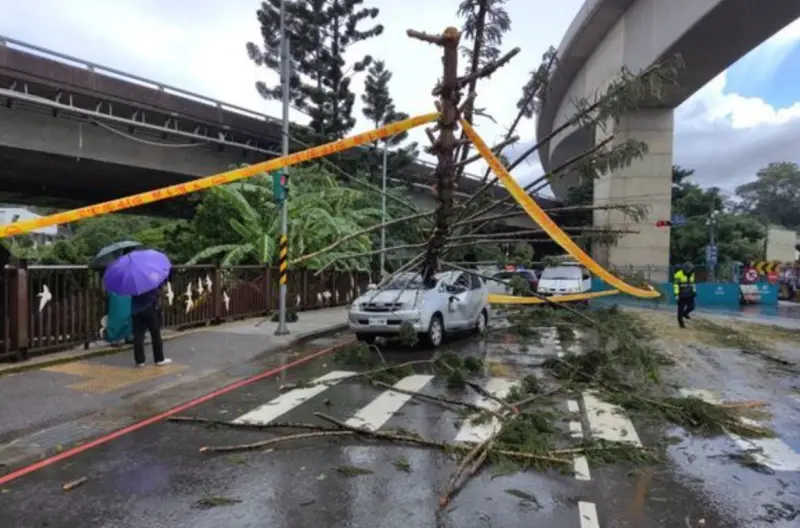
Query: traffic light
[
  {"x": 280, "y": 185},
  {"x": 663, "y": 223}
]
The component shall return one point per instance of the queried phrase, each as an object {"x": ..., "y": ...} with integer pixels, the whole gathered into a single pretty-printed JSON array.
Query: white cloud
[
  {"x": 198, "y": 45},
  {"x": 727, "y": 137}
]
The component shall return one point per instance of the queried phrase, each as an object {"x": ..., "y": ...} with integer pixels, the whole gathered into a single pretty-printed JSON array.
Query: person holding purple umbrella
[{"x": 141, "y": 274}]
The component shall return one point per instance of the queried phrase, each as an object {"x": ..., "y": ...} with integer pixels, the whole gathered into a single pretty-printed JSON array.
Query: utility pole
[
  {"x": 383, "y": 210},
  {"x": 282, "y": 328}
]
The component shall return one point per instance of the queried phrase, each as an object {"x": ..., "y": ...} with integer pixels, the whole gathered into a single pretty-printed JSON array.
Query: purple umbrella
[{"x": 137, "y": 272}]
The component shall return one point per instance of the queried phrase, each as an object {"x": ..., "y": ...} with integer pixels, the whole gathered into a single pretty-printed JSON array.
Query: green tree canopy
[
  {"x": 320, "y": 33},
  {"x": 739, "y": 235},
  {"x": 774, "y": 196}
]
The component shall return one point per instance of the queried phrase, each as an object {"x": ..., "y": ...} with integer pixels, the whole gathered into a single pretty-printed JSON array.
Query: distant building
[{"x": 43, "y": 235}]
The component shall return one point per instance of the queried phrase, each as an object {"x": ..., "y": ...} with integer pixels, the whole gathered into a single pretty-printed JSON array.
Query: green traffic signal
[{"x": 279, "y": 185}]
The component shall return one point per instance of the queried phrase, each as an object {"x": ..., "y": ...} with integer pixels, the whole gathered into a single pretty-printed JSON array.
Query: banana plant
[{"x": 321, "y": 210}]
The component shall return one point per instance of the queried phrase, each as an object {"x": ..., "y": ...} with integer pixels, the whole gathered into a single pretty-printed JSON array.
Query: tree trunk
[{"x": 444, "y": 150}]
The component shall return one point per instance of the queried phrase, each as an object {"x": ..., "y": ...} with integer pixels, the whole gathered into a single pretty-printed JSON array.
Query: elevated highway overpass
[
  {"x": 606, "y": 35},
  {"x": 74, "y": 133}
]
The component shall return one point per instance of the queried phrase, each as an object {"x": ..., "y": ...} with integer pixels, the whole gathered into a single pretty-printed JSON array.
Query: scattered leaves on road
[
  {"x": 353, "y": 471},
  {"x": 214, "y": 502},
  {"x": 402, "y": 464},
  {"x": 527, "y": 497}
]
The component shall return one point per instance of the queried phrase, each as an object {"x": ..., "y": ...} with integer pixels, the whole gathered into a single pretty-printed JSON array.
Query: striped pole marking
[{"x": 283, "y": 260}]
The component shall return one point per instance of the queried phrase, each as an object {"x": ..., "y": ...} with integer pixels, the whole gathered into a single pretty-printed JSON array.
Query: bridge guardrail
[
  {"x": 99, "y": 68},
  {"x": 46, "y": 309}
]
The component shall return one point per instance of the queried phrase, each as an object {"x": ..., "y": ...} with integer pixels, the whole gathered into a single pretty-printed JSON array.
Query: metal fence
[{"x": 47, "y": 309}]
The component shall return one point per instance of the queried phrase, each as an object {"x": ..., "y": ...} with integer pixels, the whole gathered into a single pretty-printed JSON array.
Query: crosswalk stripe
[
  {"x": 287, "y": 401},
  {"x": 607, "y": 421},
  {"x": 773, "y": 453},
  {"x": 476, "y": 433},
  {"x": 588, "y": 515},
  {"x": 380, "y": 410}
]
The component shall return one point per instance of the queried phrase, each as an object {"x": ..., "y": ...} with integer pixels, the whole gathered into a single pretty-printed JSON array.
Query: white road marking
[
  {"x": 770, "y": 452},
  {"x": 287, "y": 401},
  {"x": 380, "y": 410},
  {"x": 588, "y": 515},
  {"x": 607, "y": 421},
  {"x": 575, "y": 429},
  {"x": 580, "y": 466},
  {"x": 476, "y": 433}
]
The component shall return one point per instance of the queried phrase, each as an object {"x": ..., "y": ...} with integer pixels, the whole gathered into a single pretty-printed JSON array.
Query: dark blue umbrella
[
  {"x": 111, "y": 252},
  {"x": 137, "y": 272}
]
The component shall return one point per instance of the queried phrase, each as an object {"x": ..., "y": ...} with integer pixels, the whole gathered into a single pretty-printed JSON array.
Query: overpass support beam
[{"x": 647, "y": 181}]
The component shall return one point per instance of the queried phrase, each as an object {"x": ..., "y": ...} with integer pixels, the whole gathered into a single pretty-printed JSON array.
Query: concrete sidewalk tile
[
  {"x": 311, "y": 324},
  {"x": 107, "y": 378}
]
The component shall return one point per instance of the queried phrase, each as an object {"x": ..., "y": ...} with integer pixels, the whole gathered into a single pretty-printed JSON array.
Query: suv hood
[{"x": 388, "y": 297}]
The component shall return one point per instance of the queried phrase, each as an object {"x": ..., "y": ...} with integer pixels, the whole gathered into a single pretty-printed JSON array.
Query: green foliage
[
  {"x": 739, "y": 235},
  {"x": 774, "y": 196},
  {"x": 321, "y": 34},
  {"x": 380, "y": 110},
  {"x": 321, "y": 210},
  {"x": 378, "y": 104},
  {"x": 90, "y": 236},
  {"x": 485, "y": 23}
]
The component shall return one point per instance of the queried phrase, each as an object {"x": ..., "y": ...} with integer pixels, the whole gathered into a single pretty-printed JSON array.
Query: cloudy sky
[{"x": 742, "y": 120}]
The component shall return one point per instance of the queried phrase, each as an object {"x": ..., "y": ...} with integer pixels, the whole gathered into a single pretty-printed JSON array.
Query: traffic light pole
[{"x": 282, "y": 328}]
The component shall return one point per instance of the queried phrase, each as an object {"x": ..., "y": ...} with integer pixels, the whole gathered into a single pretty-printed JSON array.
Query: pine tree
[
  {"x": 485, "y": 23},
  {"x": 320, "y": 33},
  {"x": 380, "y": 110},
  {"x": 378, "y": 103}
]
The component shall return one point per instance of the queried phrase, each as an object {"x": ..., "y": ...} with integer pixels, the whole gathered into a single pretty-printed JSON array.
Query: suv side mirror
[{"x": 371, "y": 286}]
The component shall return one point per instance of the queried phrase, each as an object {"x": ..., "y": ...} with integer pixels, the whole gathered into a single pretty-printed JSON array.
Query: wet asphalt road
[{"x": 157, "y": 476}]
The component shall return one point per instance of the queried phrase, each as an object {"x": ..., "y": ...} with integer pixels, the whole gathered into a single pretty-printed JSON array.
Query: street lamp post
[{"x": 282, "y": 328}]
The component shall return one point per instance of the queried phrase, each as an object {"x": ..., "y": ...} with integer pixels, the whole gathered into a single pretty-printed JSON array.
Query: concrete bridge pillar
[{"x": 646, "y": 181}]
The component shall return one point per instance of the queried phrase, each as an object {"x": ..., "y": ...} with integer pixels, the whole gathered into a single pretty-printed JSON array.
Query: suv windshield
[
  {"x": 562, "y": 273},
  {"x": 410, "y": 281},
  {"x": 506, "y": 275}
]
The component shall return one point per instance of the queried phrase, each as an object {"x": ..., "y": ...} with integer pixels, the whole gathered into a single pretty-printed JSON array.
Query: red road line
[{"x": 158, "y": 417}]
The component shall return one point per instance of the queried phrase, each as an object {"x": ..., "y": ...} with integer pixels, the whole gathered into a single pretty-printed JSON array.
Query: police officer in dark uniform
[{"x": 685, "y": 292}]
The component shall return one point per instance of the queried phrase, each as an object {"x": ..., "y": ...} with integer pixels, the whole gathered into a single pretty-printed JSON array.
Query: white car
[
  {"x": 565, "y": 280},
  {"x": 457, "y": 301}
]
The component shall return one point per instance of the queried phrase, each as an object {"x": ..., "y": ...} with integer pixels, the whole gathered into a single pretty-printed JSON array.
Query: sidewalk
[{"x": 42, "y": 405}]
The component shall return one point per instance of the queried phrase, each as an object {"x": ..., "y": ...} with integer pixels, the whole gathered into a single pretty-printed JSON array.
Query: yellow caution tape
[
  {"x": 495, "y": 298},
  {"x": 200, "y": 184},
  {"x": 545, "y": 222}
]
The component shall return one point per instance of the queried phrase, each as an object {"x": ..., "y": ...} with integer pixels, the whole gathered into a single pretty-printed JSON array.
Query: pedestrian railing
[{"x": 47, "y": 309}]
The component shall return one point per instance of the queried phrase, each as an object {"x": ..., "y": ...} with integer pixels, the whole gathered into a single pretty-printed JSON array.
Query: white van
[{"x": 565, "y": 279}]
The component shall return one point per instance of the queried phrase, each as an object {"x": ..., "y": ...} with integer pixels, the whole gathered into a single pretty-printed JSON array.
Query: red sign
[
  {"x": 772, "y": 277},
  {"x": 750, "y": 275}
]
